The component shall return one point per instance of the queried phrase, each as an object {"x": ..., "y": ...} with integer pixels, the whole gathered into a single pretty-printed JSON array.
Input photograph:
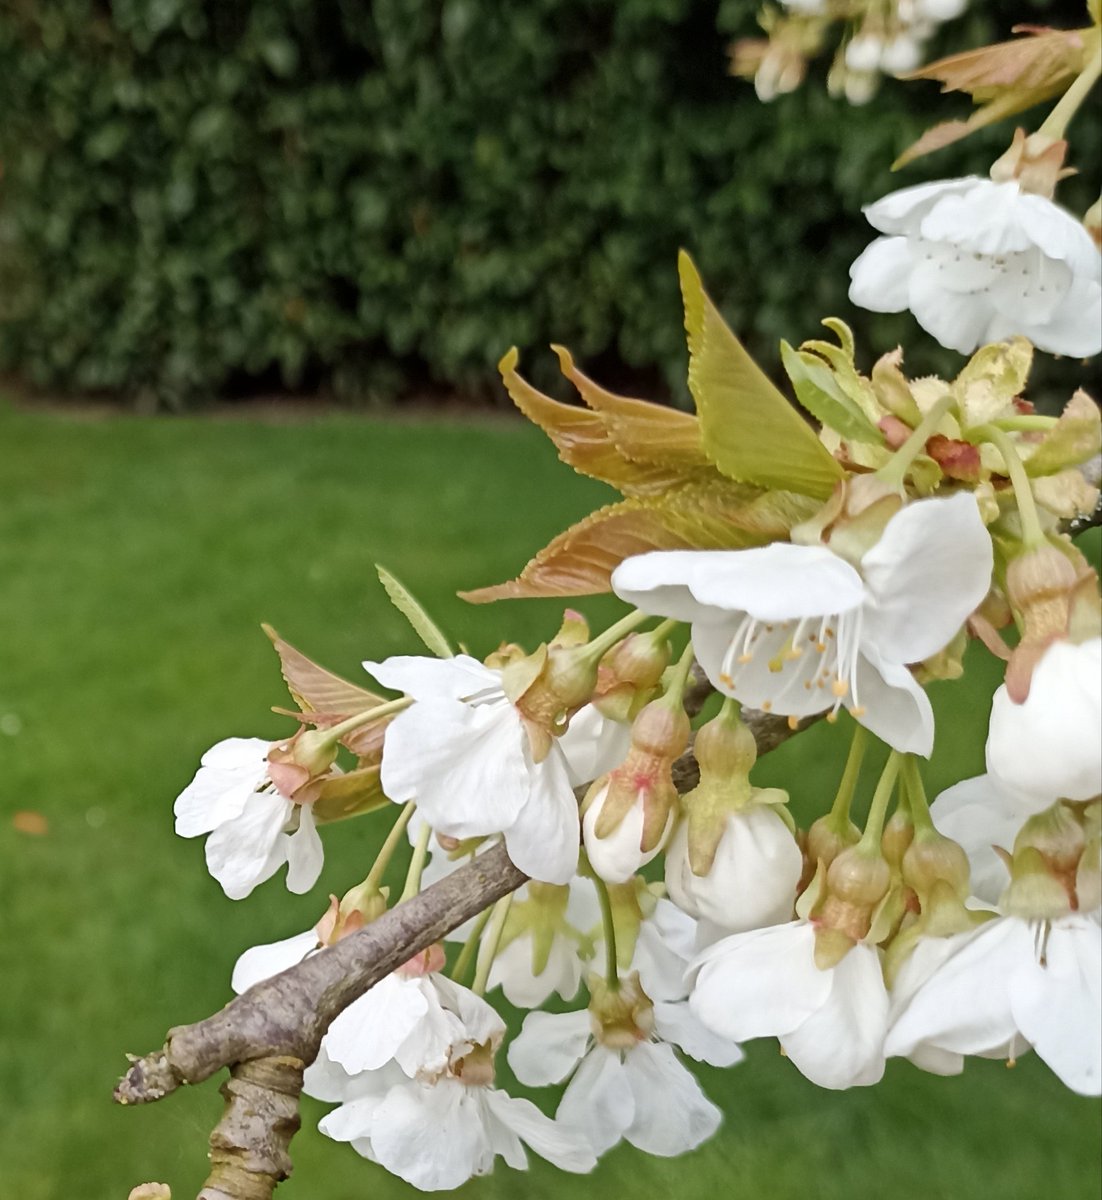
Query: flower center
[{"x": 815, "y": 654}]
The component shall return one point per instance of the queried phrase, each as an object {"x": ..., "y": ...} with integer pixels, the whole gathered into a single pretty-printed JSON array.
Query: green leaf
[
  {"x": 749, "y": 430},
  {"x": 818, "y": 391},
  {"x": 423, "y": 625}
]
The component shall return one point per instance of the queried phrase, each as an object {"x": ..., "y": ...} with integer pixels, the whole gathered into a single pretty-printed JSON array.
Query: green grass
[{"x": 137, "y": 560}]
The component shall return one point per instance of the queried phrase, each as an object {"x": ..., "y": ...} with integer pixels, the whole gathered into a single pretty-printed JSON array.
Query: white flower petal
[
  {"x": 598, "y": 1101},
  {"x": 841, "y": 1044},
  {"x": 593, "y": 745},
  {"x": 305, "y": 855},
  {"x": 426, "y": 678},
  {"x": 1058, "y": 1005},
  {"x": 544, "y": 838},
  {"x": 431, "y": 1135},
  {"x": 675, "y": 1023},
  {"x": 896, "y": 707},
  {"x": 672, "y": 1114},
  {"x": 465, "y": 766},
  {"x": 1048, "y": 745},
  {"x": 512, "y": 971},
  {"x": 549, "y": 1046},
  {"x": 371, "y": 1029},
  {"x": 246, "y": 851},
  {"x": 901, "y": 211},
  {"x": 763, "y": 983},
  {"x": 481, "y": 1021},
  {"x": 958, "y": 320},
  {"x": 262, "y": 962},
  {"x": 927, "y": 573},
  {"x": 879, "y": 275},
  {"x": 563, "y": 1147},
  {"x": 963, "y": 1007}
]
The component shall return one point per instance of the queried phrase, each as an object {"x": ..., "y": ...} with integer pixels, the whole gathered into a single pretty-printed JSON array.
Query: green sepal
[
  {"x": 819, "y": 392},
  {"x": 423, "y": 625}
]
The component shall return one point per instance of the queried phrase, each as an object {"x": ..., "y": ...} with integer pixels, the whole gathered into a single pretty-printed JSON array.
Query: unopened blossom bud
[
  {"x": 629, "y": 815},
  {"x": 863, "y": 52},
  {"x": 1058, "y": 838},
  {"x": 1039, "y": 586},
  {"x": 856, "y": 882},
  {"x": 827, "y": 838},
  {"x": 895, "y": 841},
  {"x": 620, "y": 1016},
  {"x": 733, "y": 859},
  {"x": 933, "y": 859},
  {"x": 1034, "y": 892},
  {"x": 901, "y": 53},
  {"x": 359, "y": 907},
  {"x": 297, "y": 766},
  {"x": 629, "y": 674}
]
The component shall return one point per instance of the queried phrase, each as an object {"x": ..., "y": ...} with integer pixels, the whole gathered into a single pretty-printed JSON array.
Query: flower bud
[
  {"x": 630, "y": 673},
  {"x": 752, "y": 878},
  {"x": 616, "y": 848},
  {"x": 1058, "y": 838},
  {"x": 1034, "y": 892},
  {"x": 899, "y": 832},
  {"x": 826, "y": 839},
  {"x": 620, "y": 1017},
  {"x": 933, "y": 858},
  {"x": 855, "y": 884},
  {"x": 297, "y": 766}
]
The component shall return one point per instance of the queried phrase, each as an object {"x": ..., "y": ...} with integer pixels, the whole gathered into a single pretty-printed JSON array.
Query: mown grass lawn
[{"x": 137, "y": 560}]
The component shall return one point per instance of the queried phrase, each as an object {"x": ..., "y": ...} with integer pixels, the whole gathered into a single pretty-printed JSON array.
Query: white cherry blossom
[
  {"x": 1008, "y": 980},
  {"x": 462, "y": 752},
  {"x": 764, "y": 983},
  {"x": 641, "y": 1094},
  {"x": 977, "y": 261},
  {"x": 254, "y": 829},
  {"x": 753, "y": 879},
  {"x": 1047, "y": 746},
  {"x": 445, "y": 1122},
  {"x": 798, "y": 630}
]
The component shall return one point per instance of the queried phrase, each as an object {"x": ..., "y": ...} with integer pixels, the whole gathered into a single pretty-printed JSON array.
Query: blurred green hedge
[{"x": 370, "y": 196}]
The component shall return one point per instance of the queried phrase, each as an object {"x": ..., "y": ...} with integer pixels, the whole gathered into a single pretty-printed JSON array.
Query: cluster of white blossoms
[
  {"x": 967, "y": 927},
  {"x": 887, "y": 38}
]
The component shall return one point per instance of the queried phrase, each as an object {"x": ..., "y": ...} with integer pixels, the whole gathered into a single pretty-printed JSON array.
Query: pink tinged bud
[
  {"x": 432, "y": 958},
  {"x": 894, "y": 430},
  {"x": 298, "y": 765},
  {"x": 619, "y": 840}
]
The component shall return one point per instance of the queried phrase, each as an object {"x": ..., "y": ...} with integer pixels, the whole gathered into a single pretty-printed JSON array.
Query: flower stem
[
  {"x": 470, "y": 946},
  {"x": 893, "y": 472},
  {"x": 916, "y": 795},
  {"x": 416, "y": 864},
  {"x": 680, "y": 677},
  {"x": 603, "y": 642},
  {"x": 1055, "y": 124},
  {"x": 336, "y": 732},
  {"x": 1032, "y": 533},
  {"x": 612, "y": 966},
  {"x": 874, "y": 825},
  {"x": 839, "y": 812},
  {"x": 386, "y": 851},
  {"x": 1026, "y": 422},
  {"x": 487, "y": 950}
]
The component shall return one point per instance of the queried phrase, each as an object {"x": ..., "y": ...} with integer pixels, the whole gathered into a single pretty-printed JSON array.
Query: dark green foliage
[{"x": 197, "y": 194}]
